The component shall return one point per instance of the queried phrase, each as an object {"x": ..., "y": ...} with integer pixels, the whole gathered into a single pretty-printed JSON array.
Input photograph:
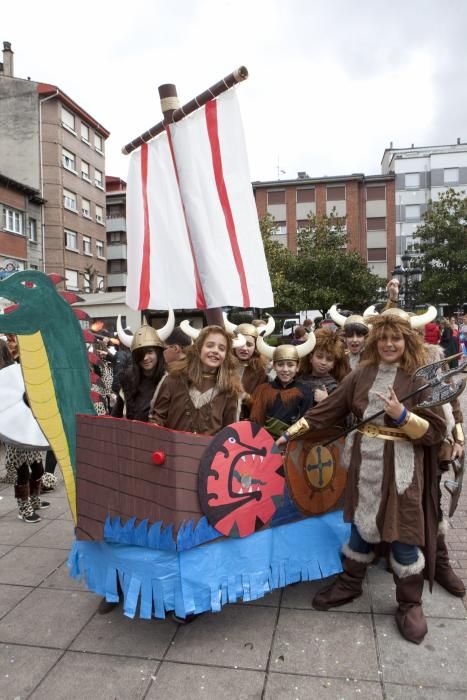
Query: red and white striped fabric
[{"x": 192, "y": 226}]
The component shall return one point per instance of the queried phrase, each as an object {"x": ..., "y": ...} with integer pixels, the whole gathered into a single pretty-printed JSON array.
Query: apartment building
[
  {"x": 115, "y": 194},
  {"x": 364, "y": 203},
  {"x": 422, "y": 173},
  {"x": 20, "y": 226},
  {"x": 51, "y": 144}
]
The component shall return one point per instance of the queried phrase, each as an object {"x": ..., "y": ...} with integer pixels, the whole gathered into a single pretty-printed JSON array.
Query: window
[
  {"x": 68, "y": 160},
  {"x": 99, "y": 214},
  {"x": 71, "y": 279},
  {"x": 85, "y": 171},
  {"x": 335, "y": 194},
  {"x": 412, "y": 211},
  {"x": 376, "y": 254},
  {"x": 68, "y": 120},
  {"x": 13, "y": 220},
  {"x": 33, "y": 267},
  {"x": 98, "y": 179},
  {"x": 69, "y": 200},
  {"x": 87, "y": 245},
  {"x": 376, "y": 223},
  {"x": 117, "y": 266},
  {"x": 115, "y": 211},
  {"x": 33, "y": 230},
  {"x": 71, "y": 240},
  {"x": 276, "y": 197},
  {"x": 98, "y": 142},
  {"x": 281, "y": 228},
  {"x": 99, "y": 249},
  {"x": 305, "y": 195},
  {"x": 86, "y": 207},
  {"x": 100, "y": 283},
  {"x": 451, "y": 175},
  {"x": 84, "y": 132},
  {"x": 114, "y": 237},
  {"x": 412, "y": 180},
  {"x": 375, "y": 193}
]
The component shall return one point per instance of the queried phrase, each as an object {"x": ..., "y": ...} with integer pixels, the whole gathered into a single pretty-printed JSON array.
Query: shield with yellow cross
[{"x": 315, "y": 476}]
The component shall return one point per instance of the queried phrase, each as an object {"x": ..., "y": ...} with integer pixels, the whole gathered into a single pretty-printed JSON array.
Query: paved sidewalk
[{"x": 53, "y": 645}]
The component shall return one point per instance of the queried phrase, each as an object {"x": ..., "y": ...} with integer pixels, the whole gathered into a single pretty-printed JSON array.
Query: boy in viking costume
[
  {"x": 390, "y": 458},
  {"x": 284, "y": 400}
]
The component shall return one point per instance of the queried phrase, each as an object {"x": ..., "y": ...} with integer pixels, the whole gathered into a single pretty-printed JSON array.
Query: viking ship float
[{"x": 176, "y": 521}]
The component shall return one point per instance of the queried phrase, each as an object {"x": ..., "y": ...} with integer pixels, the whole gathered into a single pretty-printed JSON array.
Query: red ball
[{"x": 158, "y": 457}]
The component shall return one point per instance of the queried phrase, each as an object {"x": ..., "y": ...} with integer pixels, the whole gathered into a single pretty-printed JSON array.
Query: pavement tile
[
  {"x": 61, "y": 579},
  {"x": 406, "y": 692},
  {"x": 15, "y": 531},
  {"x": 7, "y": 503},
  {"x": 58, "y": 506},
  {"x": 270, "y": 599},
  {"x": 334, "y": 644},
  {"x": 29, "y": 566},
  {"x": 440, "y": 603},
  {"x": 48, "y": 618},
  {"x": 22, "y": 668},
  {"x": 10, "y": 596},
  {"x": 175, "y": 681},
  {"x": 301, "y": 595},
  {"x": 116, "y": 634},
  {"x": 240, "y": 635},
  {"x": 284, "y": 686},
  {"x": 78, "y": 676},
  {"x": 437, "y": 662},
  {"x": 5, "y": 548},
  {"x": 57, "y": 534}
]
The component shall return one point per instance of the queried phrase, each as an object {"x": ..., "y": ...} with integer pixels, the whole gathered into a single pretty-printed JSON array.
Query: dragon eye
[
  {"x": 28, "y": 283},
  {"x": 232, "y": 440}
]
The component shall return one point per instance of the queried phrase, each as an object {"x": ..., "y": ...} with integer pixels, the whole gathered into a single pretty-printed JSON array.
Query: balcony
[
  {"x": 116, "y": 252},
  {"x": 117, "y": 223},
  {"x": 117, "y": 279}
]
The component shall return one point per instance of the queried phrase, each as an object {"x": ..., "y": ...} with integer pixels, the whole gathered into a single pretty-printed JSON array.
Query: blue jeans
[{"x": 404, "y": 554}]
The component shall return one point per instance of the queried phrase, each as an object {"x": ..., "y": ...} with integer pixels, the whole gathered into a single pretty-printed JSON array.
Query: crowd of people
[{"x": 200, "y": 381}]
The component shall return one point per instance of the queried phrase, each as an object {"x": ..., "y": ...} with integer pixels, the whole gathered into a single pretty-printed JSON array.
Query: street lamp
[{"x": 404, "y": 273}]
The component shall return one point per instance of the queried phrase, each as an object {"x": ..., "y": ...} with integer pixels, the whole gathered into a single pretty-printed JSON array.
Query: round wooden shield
[
  {"x": 241, "y": 479},
  {"x": 315, "y": 477}
]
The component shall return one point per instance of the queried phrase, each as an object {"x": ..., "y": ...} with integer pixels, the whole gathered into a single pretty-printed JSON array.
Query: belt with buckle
[{"x": 383, "y": 432}]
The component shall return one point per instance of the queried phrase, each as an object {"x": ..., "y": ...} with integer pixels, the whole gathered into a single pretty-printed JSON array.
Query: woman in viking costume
[
  {"x": 326, "y": 366},
  {"x": 281, "y": 402},
  {"x": 251, "y": 364},
  {"x": 139, "y": 381},
  {"x": 200, "y": 393},
  {"x": 354, "y": 330},
  {"x": 389, "y": 461}
]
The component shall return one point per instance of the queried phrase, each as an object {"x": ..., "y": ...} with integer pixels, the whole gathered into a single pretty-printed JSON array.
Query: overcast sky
[{"x": 331, "y": 83}]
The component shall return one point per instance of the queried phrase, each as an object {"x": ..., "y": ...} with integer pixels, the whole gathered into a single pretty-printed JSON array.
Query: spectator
[{"x": 432, "y": 333}]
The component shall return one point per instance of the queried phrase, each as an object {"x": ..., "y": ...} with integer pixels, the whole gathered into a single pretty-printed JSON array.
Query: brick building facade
[{"x": 366, "y": 205}]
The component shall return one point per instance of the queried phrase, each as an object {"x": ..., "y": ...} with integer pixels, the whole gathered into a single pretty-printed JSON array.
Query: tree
[
  {"x": 443, "y": 251},
  {"x": 280, "y": 263},
  {"x": 327, "y": 273}
]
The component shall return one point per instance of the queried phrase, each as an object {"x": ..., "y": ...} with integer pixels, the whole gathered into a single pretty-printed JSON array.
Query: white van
[{"x": 289, "y": 323}]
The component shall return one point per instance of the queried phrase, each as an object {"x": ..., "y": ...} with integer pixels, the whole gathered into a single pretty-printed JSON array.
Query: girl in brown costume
[
  {"x": 384, "y": 491},
  {"x": 200, "y": 393},
  {"x": 326, "y": 366}
]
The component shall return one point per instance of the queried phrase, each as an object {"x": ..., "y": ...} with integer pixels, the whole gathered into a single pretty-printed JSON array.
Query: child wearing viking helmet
[
  {"x": 389, "y": 465},
  {"x": 251, "y": 367},
  {"x": 279, "y": 403},
  {"x": 326, "y": 366}
]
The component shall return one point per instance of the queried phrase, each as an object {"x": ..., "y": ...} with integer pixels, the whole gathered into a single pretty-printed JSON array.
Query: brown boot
[
  {"x": 348, "y": 585},
  {"x": 444, "y": 575},
  {"x": 409, "y": 588}
]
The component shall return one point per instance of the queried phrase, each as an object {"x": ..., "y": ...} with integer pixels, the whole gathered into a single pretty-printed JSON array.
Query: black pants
[
  {"x": 25, "y": 473},
  {"x": 50, "y": 462}
]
